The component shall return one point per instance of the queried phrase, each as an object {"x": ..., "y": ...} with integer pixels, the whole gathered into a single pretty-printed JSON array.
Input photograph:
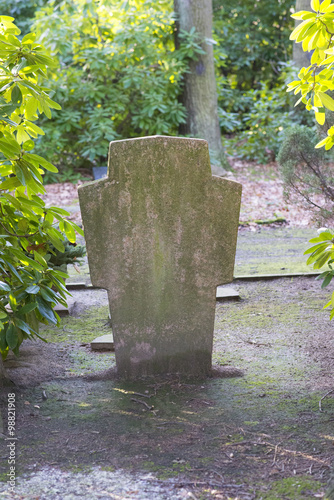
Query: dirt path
[
  {"x": 262, "y": 196},
  {"x": 257, "y": 436}
]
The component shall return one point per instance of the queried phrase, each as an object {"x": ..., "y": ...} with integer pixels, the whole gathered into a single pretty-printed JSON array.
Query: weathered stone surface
[
  {"x": 161, "y": 234},
  {"x": 227, "y": 293},
  {"x": 61, "y": 310},
  {"x": 103, "y": 343}
]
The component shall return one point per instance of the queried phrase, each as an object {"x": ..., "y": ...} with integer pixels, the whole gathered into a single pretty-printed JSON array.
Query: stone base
[
  {"x": 227, "y": 293},
  {"x": 103, "y": 343},
  {"x": 193, "y": 364},
  {"x": 61, "y": 310}
]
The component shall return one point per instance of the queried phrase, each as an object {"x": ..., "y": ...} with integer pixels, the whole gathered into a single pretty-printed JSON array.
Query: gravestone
[{"x": 161, "y": 234}]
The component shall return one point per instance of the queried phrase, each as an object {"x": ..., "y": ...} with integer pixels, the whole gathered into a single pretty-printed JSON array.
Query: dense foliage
[
  {"x": 253, "y": 66},
  {"x": 118, "y": 74},
  {"x": 316, "y": 33},
  {"x": 267, "y": 112},
  {"x": 322, "y": 253},
  {"x": 29, "y": 286},
  {"x": 253, "y": 40},
  {"x": 23, "y": 11},
  {"x": 307, "y": 173}
]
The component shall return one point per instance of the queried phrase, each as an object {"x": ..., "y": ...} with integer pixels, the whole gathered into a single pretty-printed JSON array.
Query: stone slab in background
[
  {"x": 226, "y": 293},
  {"x": 61, "y": 310},
  {"x": 99, "y": 172},
  {"x": 103, "y": 343}
]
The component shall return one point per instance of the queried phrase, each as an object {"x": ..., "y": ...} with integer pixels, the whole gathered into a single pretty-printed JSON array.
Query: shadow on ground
[{"x": 259, "y": 436}]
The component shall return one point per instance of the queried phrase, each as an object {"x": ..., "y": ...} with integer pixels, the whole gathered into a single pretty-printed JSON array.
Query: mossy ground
[
  {"x": 265, "y": 251},
  {"x": 80, "y": 329},
  {"x": 263, "y": 432},
  {"x": 297, "y": 488},
  {"x": 268, "y": 251}
]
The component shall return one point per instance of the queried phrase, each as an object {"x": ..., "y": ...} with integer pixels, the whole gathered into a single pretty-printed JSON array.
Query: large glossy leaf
[
  {"x": 12, "y": 336},
  {"x": 46, "y": 310},
  {"x": 4, "y": 287}
]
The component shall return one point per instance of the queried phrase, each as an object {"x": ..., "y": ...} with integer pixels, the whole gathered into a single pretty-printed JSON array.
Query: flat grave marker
[{"x": 103, "y": 343}]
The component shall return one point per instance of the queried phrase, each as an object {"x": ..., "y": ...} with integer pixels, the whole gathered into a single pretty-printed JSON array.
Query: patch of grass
[
  {"x": 85, "y": 362},
  {"x": 257, "y": 253},
  {"x": 296, "y": 488},
  {"x": 83, "y": 329},
  {"x": 3, "y": 477},
  {"x": 108, "y": 468},
  {"x": 165, "y": 472}
]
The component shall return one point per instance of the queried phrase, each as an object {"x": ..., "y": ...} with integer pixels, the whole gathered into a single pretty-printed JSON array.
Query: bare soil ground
[
  {"x": 260, "y": 435},
  {"x": 260, "y": 428},
  {"x": 262, "y": 196}
]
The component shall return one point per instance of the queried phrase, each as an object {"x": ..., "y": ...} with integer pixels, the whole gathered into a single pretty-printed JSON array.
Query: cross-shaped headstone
[{"x": 161, "y": 234}]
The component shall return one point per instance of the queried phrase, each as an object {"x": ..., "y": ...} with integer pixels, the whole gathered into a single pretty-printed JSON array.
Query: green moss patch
[
  {"x": 263, "y": 431},
  {"x": 272, "y": 251},
  {"x": 86, "y": 328},
  {"x": 296, "y": 488}
]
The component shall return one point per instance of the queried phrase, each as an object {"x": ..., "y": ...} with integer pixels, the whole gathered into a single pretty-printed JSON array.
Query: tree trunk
[
  {"x": 4, "y": 379},
  {"x": 200, "y": 93},
  {"x": 301, "y": 58}
]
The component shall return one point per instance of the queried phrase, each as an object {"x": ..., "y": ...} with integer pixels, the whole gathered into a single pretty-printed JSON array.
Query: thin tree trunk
[
  {"x": 4, "y": 379},
  {"x": 301, "y": 58},
  {"x": 200, "y": 93}
]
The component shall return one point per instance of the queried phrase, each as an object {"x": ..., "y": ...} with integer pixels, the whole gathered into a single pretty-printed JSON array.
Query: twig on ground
[
  {"x": 143, "y": 395},
  {"x": 182, "y": 484},
  {"x": 275, "y": 454},
  {"x": 218, "y": 474},
  {"x": 323, "y": 397},
  {"x": 142, "y": 403},
  {"x": 97, "y": 451},
  {"x": 295, "y": 454}
]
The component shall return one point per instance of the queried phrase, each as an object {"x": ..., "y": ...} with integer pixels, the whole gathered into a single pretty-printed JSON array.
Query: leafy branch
[{"x": 30, "y": 233}]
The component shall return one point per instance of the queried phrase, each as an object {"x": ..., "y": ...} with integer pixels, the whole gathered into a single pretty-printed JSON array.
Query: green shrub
[
  {"x": 29, "y": 287},
  {"x": 253, "y": 41},
  {"x": 267, "y": 113},
  {"x": 252, "y": 63},
  {"x": 315, "y": 83},
  {"x": 322, "y": 253},
  {"x": 307, "y": 172},
  {"x": 22, "y": 11},
  {"x": 72, "y": 254},
  {"x": 118, "y": 75}
]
